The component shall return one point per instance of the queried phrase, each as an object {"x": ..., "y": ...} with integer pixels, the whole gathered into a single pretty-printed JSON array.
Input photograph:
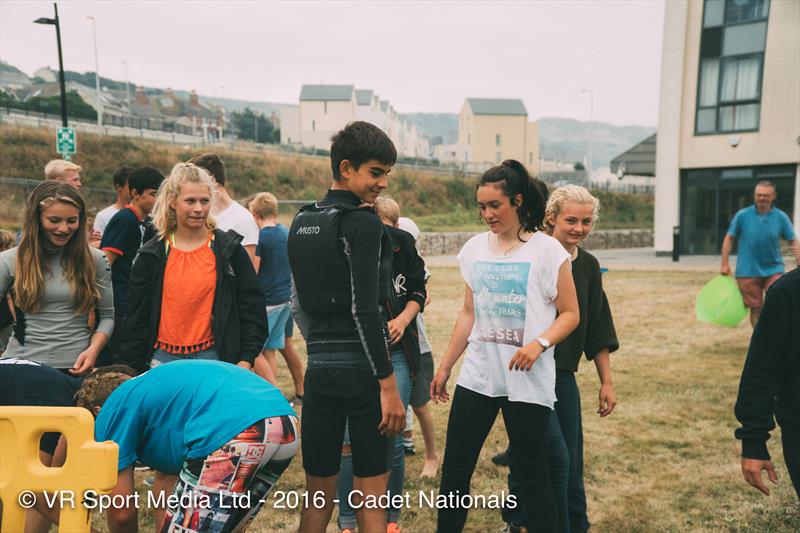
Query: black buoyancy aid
[{"x": 319, "y": 264}]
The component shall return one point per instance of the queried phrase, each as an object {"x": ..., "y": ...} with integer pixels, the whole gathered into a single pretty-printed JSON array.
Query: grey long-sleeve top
[{"x": 55, "y": 335}]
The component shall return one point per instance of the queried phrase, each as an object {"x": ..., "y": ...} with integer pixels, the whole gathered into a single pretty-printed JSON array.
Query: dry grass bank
[
  {"x": 438, "y": 202},
  {"x": 665, "y": 460}
]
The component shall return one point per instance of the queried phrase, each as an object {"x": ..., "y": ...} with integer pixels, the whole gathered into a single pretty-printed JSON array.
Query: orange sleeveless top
[{"x": 187, "y": 300}]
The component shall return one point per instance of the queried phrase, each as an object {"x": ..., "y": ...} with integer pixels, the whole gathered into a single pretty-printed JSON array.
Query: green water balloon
[{"x": 720, "y": 302}]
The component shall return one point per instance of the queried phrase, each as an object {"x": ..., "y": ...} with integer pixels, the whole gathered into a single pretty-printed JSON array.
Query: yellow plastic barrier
[{"x": 89, "y": 465}]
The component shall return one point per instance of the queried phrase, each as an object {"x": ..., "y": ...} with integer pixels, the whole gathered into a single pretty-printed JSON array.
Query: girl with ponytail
[{"x": 517, "y": 278}]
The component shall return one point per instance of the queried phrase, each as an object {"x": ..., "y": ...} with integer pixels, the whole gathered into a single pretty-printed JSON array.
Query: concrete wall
[{"x": 430, "y": 244}]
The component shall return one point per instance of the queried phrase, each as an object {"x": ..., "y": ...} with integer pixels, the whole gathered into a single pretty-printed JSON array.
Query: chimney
[
  {"x": 140, "y": 98},
  {"x": 193, "y": 100}
]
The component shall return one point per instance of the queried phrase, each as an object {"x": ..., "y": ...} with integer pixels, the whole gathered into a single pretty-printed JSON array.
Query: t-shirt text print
[
  {"x": 513, "y": 300},
  {"x": 499, "y": 291}
]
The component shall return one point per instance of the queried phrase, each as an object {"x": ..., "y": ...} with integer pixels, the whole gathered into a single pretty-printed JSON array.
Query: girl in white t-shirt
[{"x": 517, "y": 280}]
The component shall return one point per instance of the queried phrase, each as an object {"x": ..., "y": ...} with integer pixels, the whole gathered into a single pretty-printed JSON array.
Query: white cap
[{"x": 406, "y": 224}]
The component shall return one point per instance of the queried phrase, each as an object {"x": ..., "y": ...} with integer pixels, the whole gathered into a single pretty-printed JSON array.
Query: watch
[{"x": 544, "y": 342}]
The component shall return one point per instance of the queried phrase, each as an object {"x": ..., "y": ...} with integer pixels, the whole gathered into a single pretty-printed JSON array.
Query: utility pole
[
  {"x": 54, "y": 22},
  {"x": 127, "y": 83},
  {"x": 96, "y": 75},
  {"x": 591, "y": 118}
]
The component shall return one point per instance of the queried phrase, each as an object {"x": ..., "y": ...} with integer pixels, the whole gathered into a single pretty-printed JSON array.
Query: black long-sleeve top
[
  {"x": 596, "y": 328},
  {"x": 408, "y": 284},
  {"x": 367, "y": 252},
  {"x": 770, "y": 383}
]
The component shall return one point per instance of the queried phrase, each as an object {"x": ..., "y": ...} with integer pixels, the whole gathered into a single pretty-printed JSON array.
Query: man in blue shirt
[
  {"x": 208, "y": 428},
  {"x": 275, "y": 278},
  {"x": 759, "y": 264}
]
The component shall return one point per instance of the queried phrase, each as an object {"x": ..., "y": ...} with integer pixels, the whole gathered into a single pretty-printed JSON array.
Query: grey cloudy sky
[{"x": 422, "y": 56}]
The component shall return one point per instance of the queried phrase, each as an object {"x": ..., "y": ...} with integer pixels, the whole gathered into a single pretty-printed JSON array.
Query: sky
[{"x": 421, "y": 56}]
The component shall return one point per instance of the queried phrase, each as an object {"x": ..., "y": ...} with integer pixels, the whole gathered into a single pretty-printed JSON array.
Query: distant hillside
[
  {"x": 5, "y": 67},
  {"x": 568, "y": 139},
  {"x": 433, "y": 125},
  {"x": 230, "y": 104},
  {"x": 565, "y": 139}
]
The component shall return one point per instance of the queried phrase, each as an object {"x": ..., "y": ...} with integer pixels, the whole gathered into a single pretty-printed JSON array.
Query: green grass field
[{"x": 665, "y": 460}]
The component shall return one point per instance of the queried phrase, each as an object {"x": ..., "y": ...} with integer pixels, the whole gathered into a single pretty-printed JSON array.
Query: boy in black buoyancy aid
[
  {"x": 341, "y": 262},
  {"x": 408, "y": 288}
]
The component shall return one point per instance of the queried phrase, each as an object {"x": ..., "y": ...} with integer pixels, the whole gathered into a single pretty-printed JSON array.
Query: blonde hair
[
  {"x": 56, "y": 169},
  {"x": 569, "y": 193},
  {"x": 163, "y": 213},
  {"x": 387, "y": 210},
  {"x": 264, "y": 205},
  {"x": 7, "y": 240},
  {"x": 76, "y": 259}
]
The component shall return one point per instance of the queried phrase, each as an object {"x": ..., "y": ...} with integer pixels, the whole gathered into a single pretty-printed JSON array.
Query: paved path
[{"x": 635, "y": 259}]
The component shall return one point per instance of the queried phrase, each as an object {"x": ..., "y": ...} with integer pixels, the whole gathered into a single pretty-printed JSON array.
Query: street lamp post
[
  {"x": 127, "y": 83},
  {"x": 591, "y": 117},
  {"x": 54, "y": 22},
  {"x": 96, "y": 75}
]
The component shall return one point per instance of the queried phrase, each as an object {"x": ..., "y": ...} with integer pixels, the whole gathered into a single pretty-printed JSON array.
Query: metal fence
[{"x": 35, "y": 119}]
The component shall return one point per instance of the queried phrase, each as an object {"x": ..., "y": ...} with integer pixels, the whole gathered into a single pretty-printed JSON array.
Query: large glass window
[
  {"x": 745, "y": 10},
  {"x": 711, "y": 197},
  {"x": 732, "y": 47}
]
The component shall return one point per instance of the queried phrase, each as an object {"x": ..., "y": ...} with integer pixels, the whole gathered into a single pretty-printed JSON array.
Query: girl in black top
[{"x": 570, "y": 216}]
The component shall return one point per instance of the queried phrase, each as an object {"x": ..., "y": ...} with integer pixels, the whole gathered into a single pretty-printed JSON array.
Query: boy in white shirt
[{"x": 229, "y": 213}]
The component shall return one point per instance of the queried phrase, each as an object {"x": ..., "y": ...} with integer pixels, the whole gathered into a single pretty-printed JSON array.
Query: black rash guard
[
  {"x": 365, "y": 246},
  {"x": 770, "y": 384}
]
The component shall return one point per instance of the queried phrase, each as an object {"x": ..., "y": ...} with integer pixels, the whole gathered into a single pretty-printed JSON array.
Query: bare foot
[{"x": 430, "y": 468}]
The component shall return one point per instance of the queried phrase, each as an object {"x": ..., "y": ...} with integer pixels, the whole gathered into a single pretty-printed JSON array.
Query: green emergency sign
[{"x": 66, "y": 142}]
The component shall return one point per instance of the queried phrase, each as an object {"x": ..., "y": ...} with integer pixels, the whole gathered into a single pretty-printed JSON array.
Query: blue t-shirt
[
  {"x": 184, "y": 410},
  {"x": 758, "y": 238},
  {"x": 124, "y": 235},
  {"x": 274, "y": 274}
]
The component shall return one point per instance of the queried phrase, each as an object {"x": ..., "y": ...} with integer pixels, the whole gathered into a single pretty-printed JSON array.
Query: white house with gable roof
[{"x": 326, "y": 109}]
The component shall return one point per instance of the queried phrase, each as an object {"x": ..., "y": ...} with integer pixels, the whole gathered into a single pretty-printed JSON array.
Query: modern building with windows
[{"x": 729, "y": 116}]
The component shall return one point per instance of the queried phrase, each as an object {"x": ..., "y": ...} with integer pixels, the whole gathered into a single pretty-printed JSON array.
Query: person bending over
[{"x": 215, "y": 466}]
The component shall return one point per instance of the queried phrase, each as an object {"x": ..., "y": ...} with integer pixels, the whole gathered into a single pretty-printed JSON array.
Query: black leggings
[
  {"x": 791, "y": 456},
  {"x": 471, "y": 418}
]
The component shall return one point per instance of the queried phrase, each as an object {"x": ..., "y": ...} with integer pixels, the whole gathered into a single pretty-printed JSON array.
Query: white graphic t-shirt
[{"x": 514, "y": 302}]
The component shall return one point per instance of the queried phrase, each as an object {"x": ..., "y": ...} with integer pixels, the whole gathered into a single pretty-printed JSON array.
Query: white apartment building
[
  {"x": 729, "y": 116},
  {"x": 326, "y": 109}
]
